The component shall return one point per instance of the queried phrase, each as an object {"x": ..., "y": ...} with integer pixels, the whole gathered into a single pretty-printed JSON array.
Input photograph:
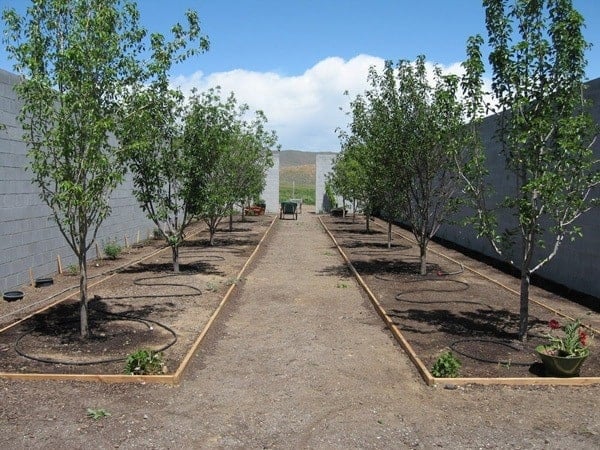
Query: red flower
[
  {"x": 583, "y": 338},
  {"x": 553, "y": 324}
]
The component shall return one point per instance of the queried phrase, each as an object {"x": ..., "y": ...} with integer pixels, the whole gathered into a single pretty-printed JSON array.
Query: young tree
[
  {"x": 429, "y": 120},
  {"x": 349, "y": 177},
  {"x": 75, "y": 58},
  {"x": 254, "y": 156},
  {"x": 164, "y": 176},
  {"x": 79, "y": 59},
  {"x": 161, "y": 175},
  {"x": 372, "y": 131},
  {"x": 545, "y": 128},
  {"x": 413, "y": 129},
  {"x": 228, "y": 149}
]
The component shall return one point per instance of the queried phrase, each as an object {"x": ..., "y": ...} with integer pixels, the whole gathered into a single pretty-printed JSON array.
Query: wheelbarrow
[{"x": 288, "y": 208}]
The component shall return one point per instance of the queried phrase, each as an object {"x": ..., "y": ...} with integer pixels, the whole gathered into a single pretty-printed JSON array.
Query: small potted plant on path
[{"x": 567, "y": 350}]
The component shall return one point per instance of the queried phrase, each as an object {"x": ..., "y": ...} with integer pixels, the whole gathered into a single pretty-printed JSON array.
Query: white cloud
[{"x": 304, "y": 110}]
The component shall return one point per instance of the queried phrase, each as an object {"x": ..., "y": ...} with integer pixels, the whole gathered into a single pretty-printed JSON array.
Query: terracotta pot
[{"x": 561, "y": 366}]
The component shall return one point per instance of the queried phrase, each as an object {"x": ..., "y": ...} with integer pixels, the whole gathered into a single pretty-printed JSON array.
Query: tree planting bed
[
  {"x": 137, "y": 303},
  {"x": 462, "y": 305}
]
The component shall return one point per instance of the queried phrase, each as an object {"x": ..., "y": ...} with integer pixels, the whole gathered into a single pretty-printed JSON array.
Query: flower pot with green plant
[{"x": 567, "y": 350}]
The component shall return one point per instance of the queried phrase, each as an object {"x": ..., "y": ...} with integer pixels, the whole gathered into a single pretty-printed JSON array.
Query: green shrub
[
  {"x": 145, "y": 362},
  {"x": 97, "y": 413},
  {"x": 112, "y": 250},
  {"x": 446, "y": 366}
]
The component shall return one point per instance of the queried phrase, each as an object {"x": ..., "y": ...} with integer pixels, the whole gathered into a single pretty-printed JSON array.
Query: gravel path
[{"x": 299, "y": 360}]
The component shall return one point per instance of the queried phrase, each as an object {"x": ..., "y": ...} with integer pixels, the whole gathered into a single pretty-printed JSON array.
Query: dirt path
[{"x": 298, "y": 360}]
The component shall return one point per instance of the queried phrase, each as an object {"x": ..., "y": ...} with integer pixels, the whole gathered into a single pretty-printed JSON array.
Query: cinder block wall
[
  {"x": 324, "y": 162},
  {"x": 29, "y": 237},
  {"x": 576, "y": 263},
  {"x": 324, "y": 165},
  {"x": 271, "y": 192}
]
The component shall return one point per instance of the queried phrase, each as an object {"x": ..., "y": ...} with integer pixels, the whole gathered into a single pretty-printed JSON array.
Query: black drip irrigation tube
[
  {"x": 118, "y": 316},
  {"x": 487, "y": 360},
  {"x": 108, "y": 272}
]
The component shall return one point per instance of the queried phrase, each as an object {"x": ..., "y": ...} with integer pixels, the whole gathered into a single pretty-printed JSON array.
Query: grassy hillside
[
  {"x": 298, "y": 182},
  {"x": 297, "y": 175},
  {"x": 289, "y": 158}
]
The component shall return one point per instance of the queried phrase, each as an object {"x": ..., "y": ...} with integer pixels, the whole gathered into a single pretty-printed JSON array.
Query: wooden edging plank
[
  {"x": 171, "y": 379},
  {"x": 102, "y": 378},
  {"x": 429, "y": 379}
]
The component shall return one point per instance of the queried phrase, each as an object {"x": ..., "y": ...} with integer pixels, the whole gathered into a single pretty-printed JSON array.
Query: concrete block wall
[
  {"x": 576, "y": 263},
  {"x": 271, "y": 192},
  {"x": 324, "y": 166},
  {"x": 29, "y": 237}
]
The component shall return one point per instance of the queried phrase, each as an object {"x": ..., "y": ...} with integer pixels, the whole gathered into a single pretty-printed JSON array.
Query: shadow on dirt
[
  {"x": 391, "y": 267},
  {"x": 340, "y": 270},
  {"x": 188, "y": 268},
  {"x": 375, "y": 245},
  {"x": 481, "y": 322}
]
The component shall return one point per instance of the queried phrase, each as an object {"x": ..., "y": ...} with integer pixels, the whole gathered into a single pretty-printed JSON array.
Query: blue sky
[{"x": 294, "y": 58}]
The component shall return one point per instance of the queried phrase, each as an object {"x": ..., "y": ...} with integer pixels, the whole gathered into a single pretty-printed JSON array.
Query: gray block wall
[
  {"x": 29, "y": 237},
  {"x": 576, "y": 263},
  {"x": 324, "y": 165},
  {"x": 271, "y": 192}
]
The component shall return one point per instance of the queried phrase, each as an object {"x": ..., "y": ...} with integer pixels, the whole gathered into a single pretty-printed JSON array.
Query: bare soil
[
  {"x": 137, "y": 302},
  {"x": 462, "y": 305},
  {"x": 297, "y": 359}
]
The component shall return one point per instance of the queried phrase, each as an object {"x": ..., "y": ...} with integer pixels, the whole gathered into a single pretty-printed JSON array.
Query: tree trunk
[
  {"x": 389, "y": 234},
  {"x": 83, "y": 301},
  {"x": 353, "y": 210},
  {"x": 211, "y": 234},
  {"x": 175, "y": 253},
  {"x": 368, "y": 222},
  {"x": 423, "y": 258},
  {"x": 230, "y": 222},
  {"x": 524, "y": 305}
]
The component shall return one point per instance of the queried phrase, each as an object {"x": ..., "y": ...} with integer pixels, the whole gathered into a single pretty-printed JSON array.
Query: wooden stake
[
  {"x": 138, "y": 237},
  {"x": 98, "y": 254},
  {"x": 126, "y": 242},
  {"x": 31, "y": 276},
  {"x": 59, "y": 265}
]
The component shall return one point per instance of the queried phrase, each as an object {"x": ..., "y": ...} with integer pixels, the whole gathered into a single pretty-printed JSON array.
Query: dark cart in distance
[{"x": 288, "y": 208}]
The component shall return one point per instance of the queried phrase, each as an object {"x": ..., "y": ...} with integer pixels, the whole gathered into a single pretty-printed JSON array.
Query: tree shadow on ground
[
  {"x": 391, "y": 267},
  {"x": 480, "y": 322},
  {"x": 190, "y": 268},
  {"x": 437, "y": 284},
  {"x": 235, "y": 230},
  {"x": 220, "y": 241},
  {"x": 362, "y": 231},
  {"x": 340, "y": 270},
  {"x": 375, "y": 245}
]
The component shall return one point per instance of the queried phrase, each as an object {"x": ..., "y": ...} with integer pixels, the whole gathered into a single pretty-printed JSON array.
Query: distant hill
[
  {"x": 289, "y": 158},
  {"x": 297, "y": 175}
]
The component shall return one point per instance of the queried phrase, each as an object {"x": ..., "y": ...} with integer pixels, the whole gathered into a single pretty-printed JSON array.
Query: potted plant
[{"x": 567, "y": 350}]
